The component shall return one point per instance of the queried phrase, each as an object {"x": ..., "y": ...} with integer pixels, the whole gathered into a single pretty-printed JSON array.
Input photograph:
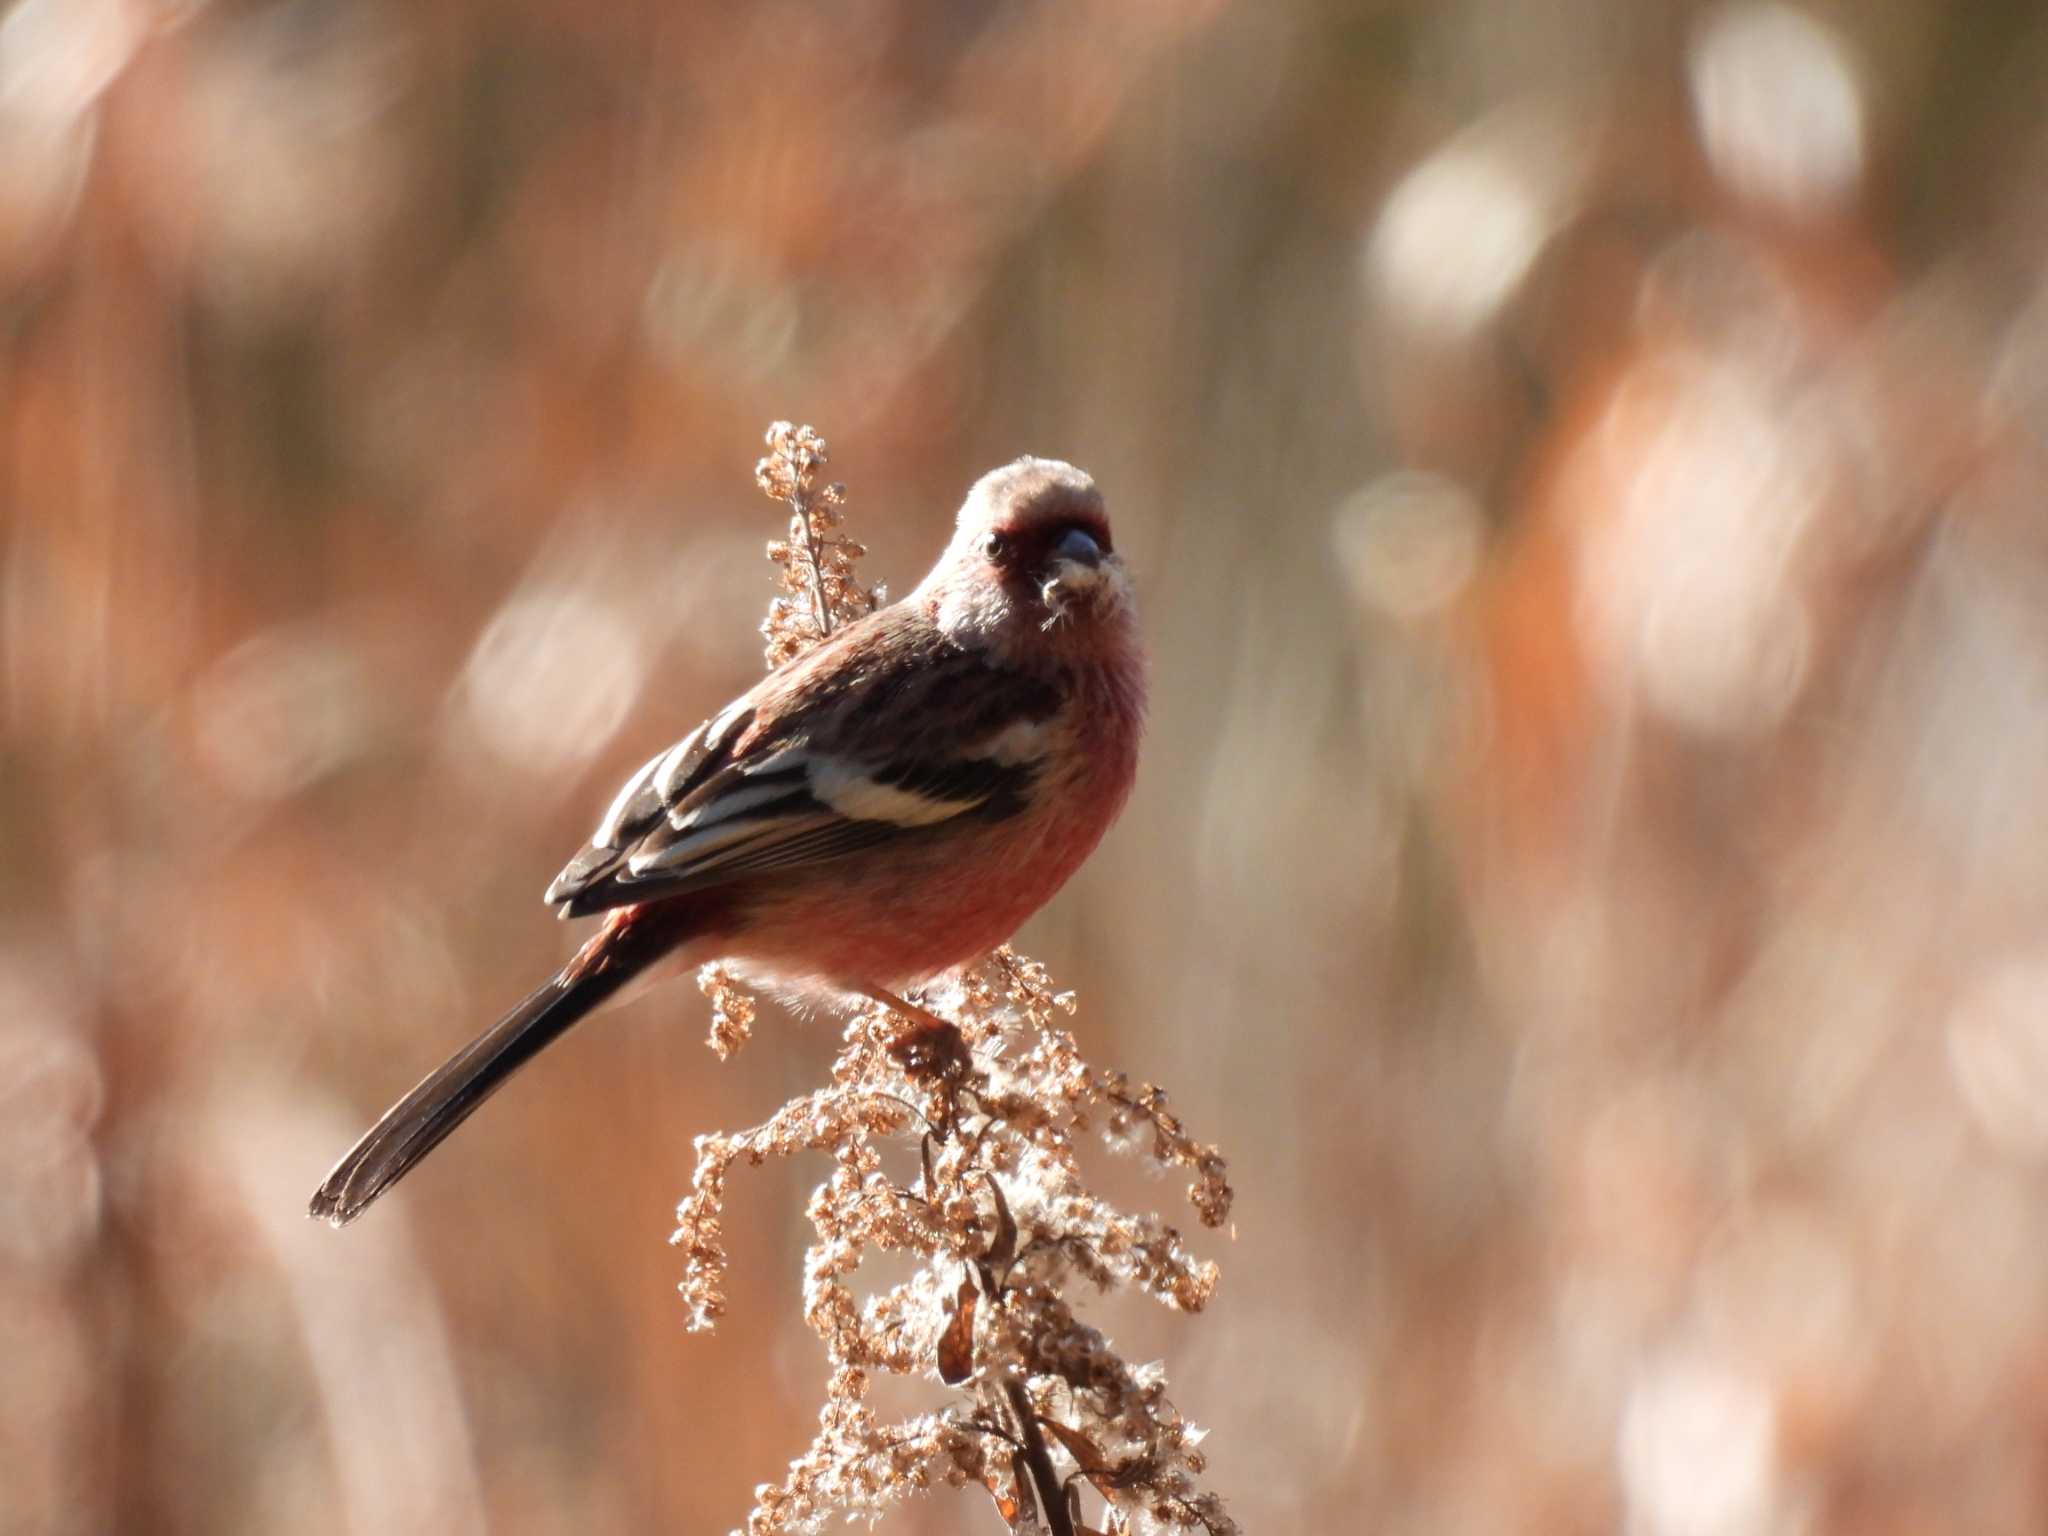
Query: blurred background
[{"x": 1584, "y": 465}]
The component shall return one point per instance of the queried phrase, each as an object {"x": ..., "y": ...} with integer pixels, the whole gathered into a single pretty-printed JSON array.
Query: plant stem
[
  {"x": 813, "y": 551},
  {"x": 1045, "y": 1478}
]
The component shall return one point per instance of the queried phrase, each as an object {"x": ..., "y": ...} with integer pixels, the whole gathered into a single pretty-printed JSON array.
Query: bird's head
[{"x": 1031, "y": 563}]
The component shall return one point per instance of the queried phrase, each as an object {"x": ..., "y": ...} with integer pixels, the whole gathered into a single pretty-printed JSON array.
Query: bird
[{"x": 871, "y": 816}]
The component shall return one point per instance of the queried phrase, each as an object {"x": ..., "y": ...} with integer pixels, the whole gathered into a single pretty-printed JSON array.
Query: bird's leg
[{"x": 929, "y": 1044}]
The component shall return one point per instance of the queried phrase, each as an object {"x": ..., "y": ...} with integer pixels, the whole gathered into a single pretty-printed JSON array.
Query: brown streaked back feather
[{"x": 886, "y": 731}]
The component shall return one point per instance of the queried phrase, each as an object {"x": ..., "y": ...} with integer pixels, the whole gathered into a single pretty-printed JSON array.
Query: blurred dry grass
[{"x": 1584, "y": 464}]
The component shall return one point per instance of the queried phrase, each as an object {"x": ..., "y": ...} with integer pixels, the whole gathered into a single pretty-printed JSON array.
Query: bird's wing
[{"x": 885, "y": 732}]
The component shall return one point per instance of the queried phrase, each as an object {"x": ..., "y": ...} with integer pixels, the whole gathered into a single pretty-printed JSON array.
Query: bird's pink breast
[{"x": 909, "y": 911}]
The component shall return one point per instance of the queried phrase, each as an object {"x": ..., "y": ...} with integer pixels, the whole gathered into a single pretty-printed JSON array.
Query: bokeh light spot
[
  {"x": 1690, "y": 585},
  {"x": 1409, "y": 542},
  {"x": 1698, "y": 1451},
  {"x": 1462, "y": 230},
  {"x": 57, "y": 56},
  {"x": 1778, "y": 105},
  {"x": 1997, "y": 1041},
  {"x": 551, "y": 680},
  {"x": 281, "y": 711},
  {"x": 51, "y": 1095}
]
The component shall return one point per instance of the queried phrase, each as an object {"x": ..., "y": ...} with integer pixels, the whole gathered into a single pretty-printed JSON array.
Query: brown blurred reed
[{"x": 1581, "y": 463}]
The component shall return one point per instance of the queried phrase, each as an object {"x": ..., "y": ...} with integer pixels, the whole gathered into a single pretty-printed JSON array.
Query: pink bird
[{"x": 885, "y": 808}]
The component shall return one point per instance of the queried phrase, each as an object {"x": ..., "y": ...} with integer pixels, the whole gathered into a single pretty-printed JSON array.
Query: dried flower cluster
[
  {"x": 993, "y": 1091},
  {"x": 732, "y": 1010},
  {"x": 819, "y": 588}
]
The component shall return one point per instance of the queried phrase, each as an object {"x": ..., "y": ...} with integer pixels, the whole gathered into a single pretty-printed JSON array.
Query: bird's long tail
[{"x": 451, "y": 1093}]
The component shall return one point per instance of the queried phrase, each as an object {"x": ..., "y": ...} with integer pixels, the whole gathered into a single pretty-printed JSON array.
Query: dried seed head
[{"x": 820, "y": 590}]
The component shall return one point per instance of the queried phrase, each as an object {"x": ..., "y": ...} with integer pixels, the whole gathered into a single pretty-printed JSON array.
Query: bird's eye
[{"x": 995, "y": 546}]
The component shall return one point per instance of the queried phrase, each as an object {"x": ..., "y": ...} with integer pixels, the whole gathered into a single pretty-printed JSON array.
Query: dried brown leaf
[{"x": 956, "y": 1344}]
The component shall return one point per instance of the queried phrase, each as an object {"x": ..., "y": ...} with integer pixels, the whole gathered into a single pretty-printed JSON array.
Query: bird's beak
[
  {"x": 1074, "y": 564},
  {"x": 1079, "y": 546},
  {"x": 1078, "y": 570}
]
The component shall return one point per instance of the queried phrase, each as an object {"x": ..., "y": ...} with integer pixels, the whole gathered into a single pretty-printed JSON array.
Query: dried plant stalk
[
  {"x": 819, "y": 590},
  {"x": 998, "y": 1100}
]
